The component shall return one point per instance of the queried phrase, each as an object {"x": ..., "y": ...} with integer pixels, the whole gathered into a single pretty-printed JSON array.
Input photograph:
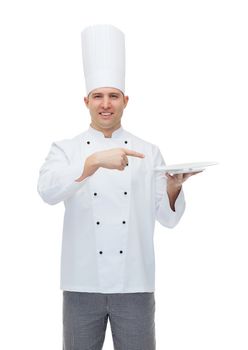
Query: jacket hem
[{"x": 95, "y": 290}]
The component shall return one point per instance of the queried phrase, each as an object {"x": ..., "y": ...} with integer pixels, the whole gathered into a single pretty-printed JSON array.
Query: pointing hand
[{"x": 115, "y": 158}]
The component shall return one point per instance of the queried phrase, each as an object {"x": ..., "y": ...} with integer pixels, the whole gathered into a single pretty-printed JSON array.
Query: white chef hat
[{"x": 103, "y": 47}]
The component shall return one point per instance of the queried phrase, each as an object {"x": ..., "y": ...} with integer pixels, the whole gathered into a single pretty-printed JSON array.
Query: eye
[
  {"x": 114, "y": 96},
  {"x": 97, "y": 96}
]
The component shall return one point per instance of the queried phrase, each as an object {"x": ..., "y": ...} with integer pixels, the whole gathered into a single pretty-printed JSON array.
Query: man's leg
[
  {"x": 132, "y": 320},
  {"x": 84, "y": 320}
]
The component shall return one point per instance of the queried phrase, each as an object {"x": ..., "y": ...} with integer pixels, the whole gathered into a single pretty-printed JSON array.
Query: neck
[{"x": 107, "y": 132}]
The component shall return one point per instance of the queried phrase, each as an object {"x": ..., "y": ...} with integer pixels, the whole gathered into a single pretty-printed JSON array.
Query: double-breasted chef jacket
[{"x": 109, "y": 218}]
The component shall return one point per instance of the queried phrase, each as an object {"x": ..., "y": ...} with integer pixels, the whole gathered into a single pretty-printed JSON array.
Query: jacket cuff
[{"x": 167, "y": 216}]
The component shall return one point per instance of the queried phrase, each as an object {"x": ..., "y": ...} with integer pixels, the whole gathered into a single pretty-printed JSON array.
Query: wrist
[
  {"x": 91, "y": 165},
  {"x": 174, "y": 188},
  {"x": 173, "y": 193},
  {"x": 93, "y": 161}
]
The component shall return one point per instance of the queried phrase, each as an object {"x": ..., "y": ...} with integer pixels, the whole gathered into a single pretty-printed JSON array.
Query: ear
[
  {"x": 86, "y": 101},
  {"x": 126, "y": 99}
]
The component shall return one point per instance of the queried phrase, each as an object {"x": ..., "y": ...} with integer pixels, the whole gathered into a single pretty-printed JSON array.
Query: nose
[{"x": 106, "y": 102}]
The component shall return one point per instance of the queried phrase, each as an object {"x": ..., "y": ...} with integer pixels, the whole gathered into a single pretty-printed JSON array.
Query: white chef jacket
[{"x": 109, "y": 218}]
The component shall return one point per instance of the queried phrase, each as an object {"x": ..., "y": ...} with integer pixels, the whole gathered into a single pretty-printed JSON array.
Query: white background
[{"x": 186, "y": 76}]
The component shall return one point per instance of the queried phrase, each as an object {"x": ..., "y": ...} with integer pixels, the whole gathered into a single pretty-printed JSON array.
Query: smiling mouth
[{"x": 105, "y": 114}]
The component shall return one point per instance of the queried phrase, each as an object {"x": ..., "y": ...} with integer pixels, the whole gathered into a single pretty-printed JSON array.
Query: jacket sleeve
[
  {"x": 57, "y": 176},
  {"x": 164, "y": 214}
]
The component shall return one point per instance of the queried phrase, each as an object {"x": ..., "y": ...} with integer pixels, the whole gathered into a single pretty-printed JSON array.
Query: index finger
[{"x": 132, "y": 153}]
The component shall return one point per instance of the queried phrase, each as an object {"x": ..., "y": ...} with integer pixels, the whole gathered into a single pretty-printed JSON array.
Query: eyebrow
[{"x": 109, "y": 93}]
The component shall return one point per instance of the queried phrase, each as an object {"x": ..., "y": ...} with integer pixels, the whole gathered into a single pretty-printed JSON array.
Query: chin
[{"x": 107, "y": 122}]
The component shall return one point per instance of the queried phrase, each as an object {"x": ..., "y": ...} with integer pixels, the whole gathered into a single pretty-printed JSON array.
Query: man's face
[{"x": 106, "y": 107}]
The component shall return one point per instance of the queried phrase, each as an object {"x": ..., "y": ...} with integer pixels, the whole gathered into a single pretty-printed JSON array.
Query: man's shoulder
[
  {"x": 69, "y": 144},
  {"x": 69, "y": 141}
]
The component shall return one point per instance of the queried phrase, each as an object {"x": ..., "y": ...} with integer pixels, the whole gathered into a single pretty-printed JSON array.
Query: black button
[
  {"x": 100, "y": 252},
  {"x": 126, "y": 141},
  {"x": 127, "y": 164},
  {"x": 123, "y": 222},
  {"x": 125, "y": 192},
  {"x": 88, "y": 142},
  {"x": 95, "y": 194},
  {"x": 98, "y": 222},
  {"x": 121, "y": 251}
]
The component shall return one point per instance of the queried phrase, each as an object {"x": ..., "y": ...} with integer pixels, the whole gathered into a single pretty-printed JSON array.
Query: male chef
[{"x": 112, "y": 196}]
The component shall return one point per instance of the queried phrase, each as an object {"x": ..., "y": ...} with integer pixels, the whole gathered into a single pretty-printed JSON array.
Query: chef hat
[{"x": 103, "y": 49}]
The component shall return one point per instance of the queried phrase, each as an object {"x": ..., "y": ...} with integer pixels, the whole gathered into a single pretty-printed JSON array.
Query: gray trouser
[{"x": 131, "y": 317}]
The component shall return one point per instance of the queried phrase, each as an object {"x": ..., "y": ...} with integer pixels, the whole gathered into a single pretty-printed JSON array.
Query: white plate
[{"x": 185, "y": 167}]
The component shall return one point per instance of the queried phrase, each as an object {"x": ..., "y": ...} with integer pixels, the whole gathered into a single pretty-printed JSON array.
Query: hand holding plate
[{"x": 176, "y": 180}]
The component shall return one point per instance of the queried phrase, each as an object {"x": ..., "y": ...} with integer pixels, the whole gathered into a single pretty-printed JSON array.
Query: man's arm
[
  {"x": 114, "y": 158},
  {"x": 57, "y": 175}
]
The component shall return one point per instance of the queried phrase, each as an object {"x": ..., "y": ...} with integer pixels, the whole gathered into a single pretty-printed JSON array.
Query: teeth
[{"x": 105, "y": 113}]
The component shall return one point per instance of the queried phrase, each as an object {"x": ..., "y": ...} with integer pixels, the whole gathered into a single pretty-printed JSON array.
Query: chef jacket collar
[{"x": 99, "y": 134}]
